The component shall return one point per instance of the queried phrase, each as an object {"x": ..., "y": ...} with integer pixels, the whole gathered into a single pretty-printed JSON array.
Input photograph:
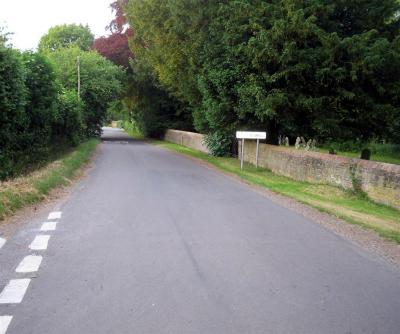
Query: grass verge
[
  {"x": 352, "y": 208},
  {"x": 132, "y": 130},
  {"x": 32, "y": 188}
]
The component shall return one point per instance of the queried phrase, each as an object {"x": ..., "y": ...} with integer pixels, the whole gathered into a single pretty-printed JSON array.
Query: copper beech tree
[{"x": 115, "y": 46}]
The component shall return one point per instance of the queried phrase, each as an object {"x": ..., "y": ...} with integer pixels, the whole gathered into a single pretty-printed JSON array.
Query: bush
[
  {"x": 13, "y": 120},
  {"x": 41, "y": 105},
  {"x": 219, "y": 142},
  {"x": 69, "y": 126}
]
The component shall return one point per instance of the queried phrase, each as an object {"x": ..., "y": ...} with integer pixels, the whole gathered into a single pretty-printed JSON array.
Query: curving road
[{"x": 153, "y": 242}]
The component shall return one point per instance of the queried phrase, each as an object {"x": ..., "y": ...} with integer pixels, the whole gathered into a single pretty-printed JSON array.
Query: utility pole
[{"x": 79, "y": 77}]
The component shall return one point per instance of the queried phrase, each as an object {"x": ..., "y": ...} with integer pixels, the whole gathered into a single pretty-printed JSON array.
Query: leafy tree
[
  {"x": 314, "y": 68},
  {"x": 67, "y": 35},
  {"x": 150, "y": 107},
  {"x": 169, "y": 36},
  {"x": 101, "y": 82},
  {"x": 115, "y": 47}
]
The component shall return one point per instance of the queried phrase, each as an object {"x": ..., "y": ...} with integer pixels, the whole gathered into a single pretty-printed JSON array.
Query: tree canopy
[
  {"x": 313, "y": 68},
  {"x": 101, "y": 82},
  {"x": 65, "y": 35}
]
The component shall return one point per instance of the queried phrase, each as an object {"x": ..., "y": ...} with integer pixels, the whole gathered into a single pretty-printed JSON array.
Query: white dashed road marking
[
  {"x": 2, "y": 242},
  {"x": 40, "y": 242},
  {"x": 14, "y": 292},
  {"x": 4, "y": 323},
  {"x": 49, "y": 226},
  {"x": 54, "y": 215},
  {"x": 29, "y": 264}
]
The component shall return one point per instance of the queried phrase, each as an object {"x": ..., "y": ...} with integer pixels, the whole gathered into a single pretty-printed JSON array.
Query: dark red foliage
[
  {"x": 116, "y": 47},
  {"x": 120, "y": 22}
]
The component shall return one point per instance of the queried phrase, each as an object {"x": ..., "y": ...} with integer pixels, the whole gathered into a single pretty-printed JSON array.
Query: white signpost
[{"x": 253, "y": 136}]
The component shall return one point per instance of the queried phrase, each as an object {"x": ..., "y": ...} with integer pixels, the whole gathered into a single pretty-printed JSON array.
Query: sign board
[{"x": 250, "y": 135}]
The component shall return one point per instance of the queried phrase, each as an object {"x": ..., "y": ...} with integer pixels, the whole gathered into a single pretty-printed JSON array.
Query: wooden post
[
  {"x": 258, "y": 144},
  {"x": 79, "y": 77},
  {"x": 242, "y": 155}
]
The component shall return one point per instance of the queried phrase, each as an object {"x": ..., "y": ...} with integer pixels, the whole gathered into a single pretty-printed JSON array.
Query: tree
[
  {"x": 115, "y": 48},
  {"x": 67, "y": 35},
  {"x": 169, "y": 36},
  {"x": 313, "y": 68},
  {"x": 101, "y": 82}
]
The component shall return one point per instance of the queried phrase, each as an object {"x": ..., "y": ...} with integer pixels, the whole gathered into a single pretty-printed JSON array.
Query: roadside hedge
[{"x": 35, "y": 115}]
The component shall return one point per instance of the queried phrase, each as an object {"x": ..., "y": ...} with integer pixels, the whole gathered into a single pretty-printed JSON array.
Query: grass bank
[
  {"x": 343, "y": 204},
  {"x": 132, "y": 130},
  {"x": 35, "y": 186}
]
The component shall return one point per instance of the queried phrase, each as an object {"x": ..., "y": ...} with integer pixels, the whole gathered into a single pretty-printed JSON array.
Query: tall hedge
[
  {"x": 13, "y": 119},
  {"x": 35, "y": 116}
]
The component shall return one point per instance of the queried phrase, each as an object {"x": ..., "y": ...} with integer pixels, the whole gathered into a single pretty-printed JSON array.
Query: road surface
[{"x": 153, "y": 242}]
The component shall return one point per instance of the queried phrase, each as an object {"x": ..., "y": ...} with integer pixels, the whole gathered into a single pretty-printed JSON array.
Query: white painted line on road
[
  {"x": 49, "y": 226},
  {"x": 29, "y": 264},
  {"x": 14, "y": 292},
  {"x": 4, "y": 323},
  {"x": 54, "y": 215},
  {"x": 40, "y": 242},
  {"x": 2, "y": 242}
]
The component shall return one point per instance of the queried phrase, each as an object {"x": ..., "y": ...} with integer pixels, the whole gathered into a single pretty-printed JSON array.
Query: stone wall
[
  {"x": 380, "y": 181},
  {"x": 189, "y": 139}
]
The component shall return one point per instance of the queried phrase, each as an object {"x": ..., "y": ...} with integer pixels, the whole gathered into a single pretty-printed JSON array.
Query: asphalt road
[{"x": 153, "y": 242}]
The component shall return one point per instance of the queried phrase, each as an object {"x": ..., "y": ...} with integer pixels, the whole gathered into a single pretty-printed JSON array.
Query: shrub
[
  {"x": 219, "y": 142},
  {"x": 13, "y": 118},
  {"x": 69, "y": 126},
  {"x": 41, "y": 105}
]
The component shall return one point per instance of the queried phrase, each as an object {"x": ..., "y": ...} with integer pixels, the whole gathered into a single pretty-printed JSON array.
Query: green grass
[
  {"x": 350, "y": 207},
  {"x": 132, "y": 130},
  {"x": 34, "y": 187}
]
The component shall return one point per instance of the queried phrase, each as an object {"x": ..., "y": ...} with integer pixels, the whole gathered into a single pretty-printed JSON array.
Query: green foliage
[
  {"x": 149, "y": 106},
  {"x": 13, "y": 96},
  {"x": 34, "y": 115},
  {"x": 67, "y": 35},
  {"x": 116, "y": 111},
  {"x": 41, "y": 105},
  {"x": 69, "y": 126},
  {"x": 101, "y": 82},
  {"x": 219, "y": 142},
  {"x": 321, "y": 69},
  {"x": 132, "y": 129}
]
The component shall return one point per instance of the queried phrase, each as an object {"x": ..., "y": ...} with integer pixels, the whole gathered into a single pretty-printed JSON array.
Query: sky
[{"x": 28, "y": 20}]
